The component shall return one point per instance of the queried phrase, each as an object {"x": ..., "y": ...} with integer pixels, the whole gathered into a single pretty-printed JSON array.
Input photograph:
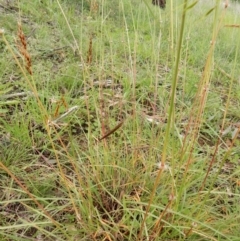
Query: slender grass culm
[{"x": 119, "y": 120}]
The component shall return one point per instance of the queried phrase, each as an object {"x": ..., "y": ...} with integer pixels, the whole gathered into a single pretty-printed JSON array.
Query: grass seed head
[{"x": 22, "y": 47}]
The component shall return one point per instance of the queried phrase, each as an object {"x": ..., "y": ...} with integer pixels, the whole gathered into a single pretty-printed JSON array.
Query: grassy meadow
[{"x": 119, "y": 120}]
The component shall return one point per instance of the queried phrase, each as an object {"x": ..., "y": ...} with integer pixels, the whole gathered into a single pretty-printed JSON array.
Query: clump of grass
[{"x": 122, "y": 132}]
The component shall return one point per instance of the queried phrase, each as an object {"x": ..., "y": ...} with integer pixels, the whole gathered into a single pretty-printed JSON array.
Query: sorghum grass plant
[{"x": 119, "y": 120}]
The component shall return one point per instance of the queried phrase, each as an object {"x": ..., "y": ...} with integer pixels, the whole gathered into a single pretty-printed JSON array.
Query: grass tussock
[{"x": 119, "y": 120}]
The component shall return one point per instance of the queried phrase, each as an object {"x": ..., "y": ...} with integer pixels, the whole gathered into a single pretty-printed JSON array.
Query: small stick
[{"x": 70, "y": 110}]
